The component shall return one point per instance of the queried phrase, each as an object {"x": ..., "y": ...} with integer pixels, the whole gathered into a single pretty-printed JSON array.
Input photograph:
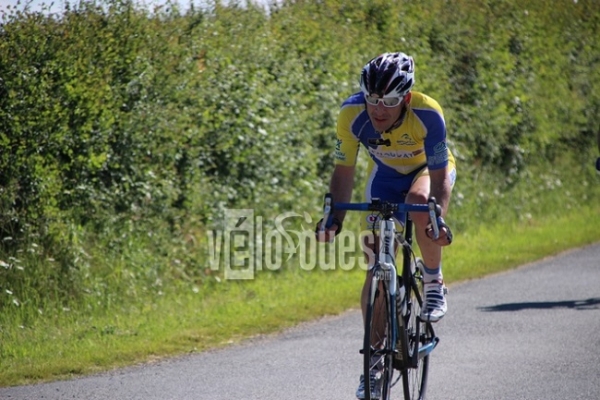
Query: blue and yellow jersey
[{"x": 420, "y": 140}]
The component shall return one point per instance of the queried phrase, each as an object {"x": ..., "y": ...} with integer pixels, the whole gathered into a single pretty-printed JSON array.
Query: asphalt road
[{"x": 532, "y": 333}]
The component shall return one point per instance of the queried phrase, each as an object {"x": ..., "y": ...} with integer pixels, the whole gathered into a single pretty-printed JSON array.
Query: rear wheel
[{"x": 377, "y": 353}]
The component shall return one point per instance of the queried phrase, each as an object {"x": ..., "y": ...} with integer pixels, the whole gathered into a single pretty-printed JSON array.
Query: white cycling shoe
[{"x": 434, "y": 305}]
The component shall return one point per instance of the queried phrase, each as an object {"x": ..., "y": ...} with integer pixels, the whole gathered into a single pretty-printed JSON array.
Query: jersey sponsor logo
[
  {"x": 372, "y": 220},
  {"x": 440, "y": 147},
  {"x": 398, "y": 154},
  {"x": 406, "y": 140},
  {"x": 437, "y": 159},
  {"x": 452, "y": 177},
  {"x": 440, "y": 155},
  {"x": 339, "y": 155}
]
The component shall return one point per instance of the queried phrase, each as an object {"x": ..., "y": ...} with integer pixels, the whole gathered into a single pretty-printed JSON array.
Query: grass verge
[{"x": 42, "y": 348}]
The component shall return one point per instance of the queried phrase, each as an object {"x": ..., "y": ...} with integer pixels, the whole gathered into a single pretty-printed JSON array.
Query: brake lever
[
  {"x": 327, "y": 215},
  {"x": 434, "y": 211}
]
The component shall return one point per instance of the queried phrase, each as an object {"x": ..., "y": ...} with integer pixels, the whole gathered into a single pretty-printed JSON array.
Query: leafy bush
[{"x": 125, "y": 132}]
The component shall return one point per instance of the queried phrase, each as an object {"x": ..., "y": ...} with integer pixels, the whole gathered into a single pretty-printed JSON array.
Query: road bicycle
[{"x": 394, "y": 302}]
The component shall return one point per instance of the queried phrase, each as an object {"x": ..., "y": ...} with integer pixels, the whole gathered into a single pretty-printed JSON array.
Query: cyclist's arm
[
  {"x": 341, "y": 185},
  {"x": 346, "y": 150},
  {"x": 441, "y": 187},
  {"x": 436, "y": 151}
]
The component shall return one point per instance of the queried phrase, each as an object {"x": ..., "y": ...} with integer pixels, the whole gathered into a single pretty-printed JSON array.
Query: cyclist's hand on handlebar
[
  {"x": 445, "y": 236},
  {"x": 327, "y": 234}
]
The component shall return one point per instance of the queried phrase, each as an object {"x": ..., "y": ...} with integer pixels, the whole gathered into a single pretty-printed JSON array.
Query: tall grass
[
  {"x": 126, "y": 134},
  {"x": 141, "y": 324}
]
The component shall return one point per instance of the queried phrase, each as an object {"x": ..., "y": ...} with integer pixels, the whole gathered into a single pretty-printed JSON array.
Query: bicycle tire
[
  {"x": 414, "y": 380},
  {"x": 378, "y": 309}
]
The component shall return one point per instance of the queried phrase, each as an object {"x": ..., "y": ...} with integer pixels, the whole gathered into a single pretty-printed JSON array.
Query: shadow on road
[{"x": 589, "y": 304}]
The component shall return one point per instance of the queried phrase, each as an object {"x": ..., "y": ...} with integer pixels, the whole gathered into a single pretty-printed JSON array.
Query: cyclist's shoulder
[
  {"x": 355, "y": 99},
  {"x": 421, "y": 101},
  {"x": 353, "y": 107}
]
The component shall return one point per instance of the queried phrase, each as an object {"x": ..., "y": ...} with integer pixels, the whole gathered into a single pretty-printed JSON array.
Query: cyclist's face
[{"x": 383, "y": 117}]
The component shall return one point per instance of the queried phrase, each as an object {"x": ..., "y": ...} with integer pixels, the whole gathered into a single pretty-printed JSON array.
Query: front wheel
[
  {"x": 378, "y": 370},
  {"x": 415, "y": 335}
]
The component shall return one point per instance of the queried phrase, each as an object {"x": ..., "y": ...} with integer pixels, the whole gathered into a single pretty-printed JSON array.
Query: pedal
[{"x": 445, "y": 290}]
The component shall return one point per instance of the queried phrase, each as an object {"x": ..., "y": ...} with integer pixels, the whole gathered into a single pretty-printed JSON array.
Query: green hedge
[{"x": 125, "y": 131}]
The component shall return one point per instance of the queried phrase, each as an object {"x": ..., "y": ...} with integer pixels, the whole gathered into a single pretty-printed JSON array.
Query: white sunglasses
[{"x": 387, "y": 101}]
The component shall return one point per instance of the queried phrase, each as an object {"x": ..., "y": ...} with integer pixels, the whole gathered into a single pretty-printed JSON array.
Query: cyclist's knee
[{"x": 418, "y": 194}]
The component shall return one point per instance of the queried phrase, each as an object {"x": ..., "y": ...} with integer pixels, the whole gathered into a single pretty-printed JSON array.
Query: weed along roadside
[{"x": 162, "y": 171}]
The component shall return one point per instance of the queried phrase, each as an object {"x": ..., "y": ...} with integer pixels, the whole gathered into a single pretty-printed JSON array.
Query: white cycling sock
[{"x": 432, "y": 274}]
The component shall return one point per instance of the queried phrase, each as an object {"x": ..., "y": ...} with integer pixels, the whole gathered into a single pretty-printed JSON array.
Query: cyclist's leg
[
  {"x": 419, "y": 194},
  {"x": 435, "y": 302},
  {"x": 386, "y": 188}
]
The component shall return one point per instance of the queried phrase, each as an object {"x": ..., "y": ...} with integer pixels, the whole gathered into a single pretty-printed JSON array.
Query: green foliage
[{"x": 125, "y": 132}]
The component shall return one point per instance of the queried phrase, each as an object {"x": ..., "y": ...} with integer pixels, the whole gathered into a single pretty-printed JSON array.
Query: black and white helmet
[{"x": 388, "y": 75}]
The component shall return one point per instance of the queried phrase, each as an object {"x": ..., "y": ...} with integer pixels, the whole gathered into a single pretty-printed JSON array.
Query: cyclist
[{"x": 411, "y": 166}]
